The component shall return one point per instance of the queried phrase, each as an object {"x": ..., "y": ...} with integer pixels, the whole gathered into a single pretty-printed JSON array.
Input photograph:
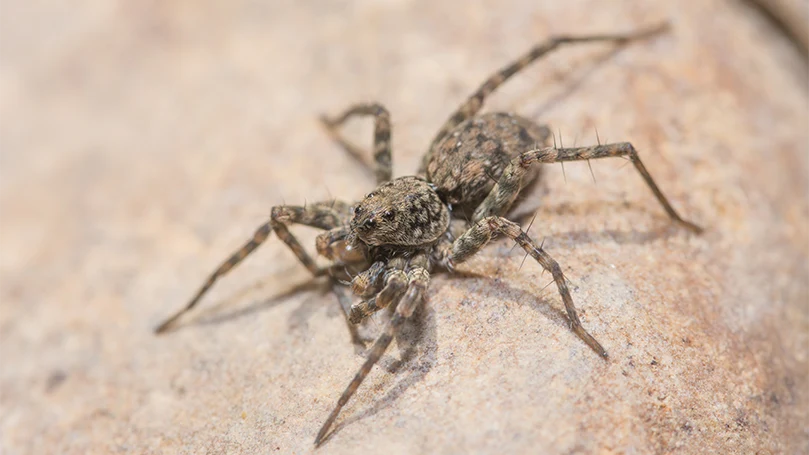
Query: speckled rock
[{"x": 142, "y": 142}]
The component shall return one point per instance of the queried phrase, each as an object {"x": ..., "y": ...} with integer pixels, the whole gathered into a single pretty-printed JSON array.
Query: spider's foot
[
  {"x": 692, "y": 227},
  {"x": 166, "y": 326}
]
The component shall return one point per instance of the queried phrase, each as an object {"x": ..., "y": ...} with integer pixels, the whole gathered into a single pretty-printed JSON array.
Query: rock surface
[{"x": 143, "y": 141}]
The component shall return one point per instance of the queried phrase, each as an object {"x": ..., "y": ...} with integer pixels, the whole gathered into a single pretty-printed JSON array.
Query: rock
[{"x": 143, "y": 143}]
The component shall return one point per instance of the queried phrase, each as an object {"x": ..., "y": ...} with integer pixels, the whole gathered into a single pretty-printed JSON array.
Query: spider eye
[
  {"x": 389, "y": 215},
  {"x": 369, "y": 223},
  {"x": 357, "y": 210}
]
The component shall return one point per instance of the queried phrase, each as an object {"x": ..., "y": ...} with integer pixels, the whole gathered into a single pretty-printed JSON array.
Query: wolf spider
[{"x": 473, "y": 171}]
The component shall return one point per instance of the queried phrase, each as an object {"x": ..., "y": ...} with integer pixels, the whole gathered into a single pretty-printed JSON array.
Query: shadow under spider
[
  {"x": 417, "y": 336},
  {"x": 663, "y": 230},
  {"x": 213, "y": 315},
  {"x": 630, "y": 237},
  {"x": 509, "y": 293},
  {"x": 572, "y": 82},
  {"x": 529, "y": 208}
]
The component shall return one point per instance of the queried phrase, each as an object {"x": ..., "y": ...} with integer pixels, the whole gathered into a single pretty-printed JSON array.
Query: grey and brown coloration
[{"x": 470, "y": 177}]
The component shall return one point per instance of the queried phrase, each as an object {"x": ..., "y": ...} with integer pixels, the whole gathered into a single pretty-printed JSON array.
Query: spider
[{"x": 469, "y": 178}]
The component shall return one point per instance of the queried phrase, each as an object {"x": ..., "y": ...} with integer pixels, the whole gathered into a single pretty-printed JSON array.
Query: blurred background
[{"x": 142, "y": 142}]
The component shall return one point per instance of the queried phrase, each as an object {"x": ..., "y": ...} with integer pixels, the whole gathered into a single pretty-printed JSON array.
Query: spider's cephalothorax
[
  {"x": 392, "y": 238},
  {"x": 402, "y": 212}
]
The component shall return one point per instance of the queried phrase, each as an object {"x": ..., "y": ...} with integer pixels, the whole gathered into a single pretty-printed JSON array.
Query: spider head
[
  {"x": 375, "y": 223},
  {"x": 405, "y": 211}
]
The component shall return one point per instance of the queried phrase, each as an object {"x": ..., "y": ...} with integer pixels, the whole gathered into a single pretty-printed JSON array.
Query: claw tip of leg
[
  {"x": 319, "y": 438},
  {"x": 692, "y": 227},
  {"x": 662, "y": 27},
  {"x": 164, "y": 327},
  {"x": 326, "y": 121}
]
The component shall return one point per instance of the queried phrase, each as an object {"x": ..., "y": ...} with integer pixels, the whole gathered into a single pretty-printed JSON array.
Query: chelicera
[{"x": 407, "y": 227}]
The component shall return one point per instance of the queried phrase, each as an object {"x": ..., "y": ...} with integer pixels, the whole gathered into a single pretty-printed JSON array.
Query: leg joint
[{"x": 281, "y": 214}]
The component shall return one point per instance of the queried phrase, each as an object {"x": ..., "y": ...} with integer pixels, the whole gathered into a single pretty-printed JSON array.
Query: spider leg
[
  {"x": 380, "y": 285},
  {"x": 396, "y": 282},
  {"x": 320, "y": 215},
  {"x": 345, "y": 304},
  {"x": 325, "y": 242},
  {"x": 479, "y": 235},
  {"x": 507, "y": 188},
  {"x": 366, "y": 283},
  {"x": 324, "y": 215},
  {"x": 418, "y": 279},
  {"x": 382, "y": 131},
  {"x": 475, "y": 102}
]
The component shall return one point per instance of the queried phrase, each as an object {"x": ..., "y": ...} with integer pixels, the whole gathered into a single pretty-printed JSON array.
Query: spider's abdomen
[
  {"x": 465, "y": 165},
  {"x": 402, "y": 212}
]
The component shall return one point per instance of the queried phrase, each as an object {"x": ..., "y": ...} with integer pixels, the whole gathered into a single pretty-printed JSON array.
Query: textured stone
[{"x": 144, "y": 141}]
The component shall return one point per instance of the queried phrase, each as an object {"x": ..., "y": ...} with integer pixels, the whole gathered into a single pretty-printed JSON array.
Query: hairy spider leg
[
  {"x": 418, "y": 278},
  {"x": 382, "y": 132},
  {"x": 507, "y": 188},
  {"x": 475, "y": 102},
  {"x": 323, "y": 215},
  {"x": 474, "y": 239}
]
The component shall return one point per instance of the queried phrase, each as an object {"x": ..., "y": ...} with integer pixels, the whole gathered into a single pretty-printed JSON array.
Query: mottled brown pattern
[
  {"x": 144, "y": 142},
  {"x": 366, "y": 283},
  {"x": 395, "y": 284},
  {"x": 468, "y": 162},
  {"x": 403, "y": 212},
  {"x": 404, "y": 227}
]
